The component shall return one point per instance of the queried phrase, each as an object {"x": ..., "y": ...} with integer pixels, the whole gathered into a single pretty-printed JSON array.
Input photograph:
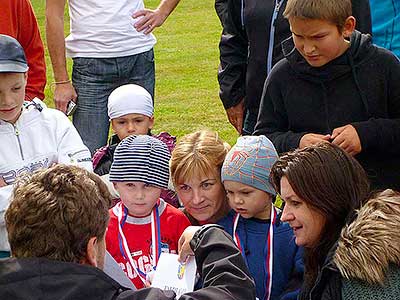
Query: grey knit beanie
[{"x": 250, "y": 162}]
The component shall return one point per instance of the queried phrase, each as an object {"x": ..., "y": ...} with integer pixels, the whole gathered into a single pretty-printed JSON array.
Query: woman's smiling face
[
  {"x": 202, "y": 196},
  {"x": 307, "y": 223}
]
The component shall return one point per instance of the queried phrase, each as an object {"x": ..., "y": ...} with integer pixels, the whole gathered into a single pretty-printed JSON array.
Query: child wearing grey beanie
[{"x": 266, "y": 244}]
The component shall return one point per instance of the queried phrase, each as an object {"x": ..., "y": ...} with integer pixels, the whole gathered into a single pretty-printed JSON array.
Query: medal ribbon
[
  {"x": 155, "y": 238},
  {"x": 269, "y": 249}
]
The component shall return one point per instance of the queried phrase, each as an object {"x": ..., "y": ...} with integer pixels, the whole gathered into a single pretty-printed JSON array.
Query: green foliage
[{"x": 186, "y": 54}]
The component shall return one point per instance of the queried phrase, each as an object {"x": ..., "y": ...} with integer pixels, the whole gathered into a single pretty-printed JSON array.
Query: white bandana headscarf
[{"x": 130, "y": 99}]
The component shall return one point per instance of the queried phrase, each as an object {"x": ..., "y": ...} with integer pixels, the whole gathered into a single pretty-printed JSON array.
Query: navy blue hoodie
[{"x": 361, "y": 87}]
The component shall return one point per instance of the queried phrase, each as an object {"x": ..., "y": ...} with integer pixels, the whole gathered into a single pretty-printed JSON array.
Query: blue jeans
[{"x": 94, "y": 79}]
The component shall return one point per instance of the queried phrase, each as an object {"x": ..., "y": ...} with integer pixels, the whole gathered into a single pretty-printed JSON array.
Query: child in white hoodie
[{"x": 32, "y": 136}]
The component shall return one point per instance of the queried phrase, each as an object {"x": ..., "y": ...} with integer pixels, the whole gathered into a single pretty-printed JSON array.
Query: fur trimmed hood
[{"x": 369, "y": 244}]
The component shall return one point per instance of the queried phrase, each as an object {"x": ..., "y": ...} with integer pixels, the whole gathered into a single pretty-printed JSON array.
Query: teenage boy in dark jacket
[
  {"x": 56, "y": 225},
  {"x": 334, "y": 85},
  {"x": 250, "y": 46}
]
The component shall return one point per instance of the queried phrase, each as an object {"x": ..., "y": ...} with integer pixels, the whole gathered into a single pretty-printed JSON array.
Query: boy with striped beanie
[{"x": 142, "y": 225}]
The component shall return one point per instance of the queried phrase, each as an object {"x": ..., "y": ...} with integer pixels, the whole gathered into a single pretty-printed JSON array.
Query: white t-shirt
[{"x": 104, "y": 28}]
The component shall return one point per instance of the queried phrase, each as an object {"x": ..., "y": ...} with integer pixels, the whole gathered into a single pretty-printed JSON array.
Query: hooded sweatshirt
[
  {"x": 252, "y": 33},
  {"x": 360, "y": 88}
]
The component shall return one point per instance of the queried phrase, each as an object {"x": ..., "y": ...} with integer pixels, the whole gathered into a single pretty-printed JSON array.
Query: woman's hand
[{"x": 184, "y": 249}]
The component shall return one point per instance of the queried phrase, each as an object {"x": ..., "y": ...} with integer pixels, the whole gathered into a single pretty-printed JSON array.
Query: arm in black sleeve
[
  {"x": 221, "y": 8},
  {"x": 222, "y": 268},
  {"x": 233, "y": 54},
  {"x": 362, "y": 13},
  {"x": 146, "y": 294},
  {"x": 382, "y": 135},
  {"x": 272, "y": 118}
]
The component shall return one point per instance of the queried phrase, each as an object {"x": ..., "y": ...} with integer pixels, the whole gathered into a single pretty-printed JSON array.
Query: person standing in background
[
  {"x": 18, "y": 20},
  {"x": 385, "y": 16},
  {"x": 111, "y": 44},
  {"x": 250, "y": 46}
]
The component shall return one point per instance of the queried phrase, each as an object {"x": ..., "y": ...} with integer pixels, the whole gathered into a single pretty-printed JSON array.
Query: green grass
[{"x": 186, "y": 53}]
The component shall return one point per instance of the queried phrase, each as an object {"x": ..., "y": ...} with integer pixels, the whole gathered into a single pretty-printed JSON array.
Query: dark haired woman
[{"x": 324, "y": 189}]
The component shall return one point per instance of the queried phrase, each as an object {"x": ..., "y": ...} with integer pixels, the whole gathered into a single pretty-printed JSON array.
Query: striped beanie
[
  {"x": 141, "y": 158},
  {"x": 250, "y": 162}
]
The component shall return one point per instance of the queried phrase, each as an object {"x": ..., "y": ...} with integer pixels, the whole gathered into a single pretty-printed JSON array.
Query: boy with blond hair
[
  {"x": 32, "y": 136},
  {"x": 334, "y": 85}
]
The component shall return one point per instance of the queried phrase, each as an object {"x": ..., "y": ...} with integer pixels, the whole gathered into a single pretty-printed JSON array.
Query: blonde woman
[{"x": 196, "y": 174}]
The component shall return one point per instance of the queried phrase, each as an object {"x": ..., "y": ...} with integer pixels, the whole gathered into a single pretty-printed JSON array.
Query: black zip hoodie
[
  {"x": 361, "y": 87},
  {"x": 244, "y": 45}
]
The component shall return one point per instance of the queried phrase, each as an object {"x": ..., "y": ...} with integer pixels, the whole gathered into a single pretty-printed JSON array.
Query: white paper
[{"x": 172, "y": 275}]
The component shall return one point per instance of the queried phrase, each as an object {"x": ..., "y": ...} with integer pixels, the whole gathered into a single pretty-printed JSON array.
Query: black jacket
[
  {"x": 220, "y": 263},
  {"x": 245, "y": 42},
  {"x": 104, "y": 157},
  {"x": 360, "y": 87}
]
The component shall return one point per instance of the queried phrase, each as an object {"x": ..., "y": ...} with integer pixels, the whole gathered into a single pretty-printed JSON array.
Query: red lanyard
[
  {"x": 155, "y": 239},
  {"x": 269, "y": 249}
]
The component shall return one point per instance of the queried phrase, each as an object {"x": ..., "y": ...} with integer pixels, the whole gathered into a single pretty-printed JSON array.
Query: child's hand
[
  {"x": 346, "y": 137},
  {"x": 310, "y": 139},
  {"x": 149, "y": 279},
  {"x": 184, "y": 249},
  {"x": 2, "y": 182}
]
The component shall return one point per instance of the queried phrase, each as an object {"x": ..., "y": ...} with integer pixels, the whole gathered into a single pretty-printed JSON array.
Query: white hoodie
[{"x": 39, "y": 138}]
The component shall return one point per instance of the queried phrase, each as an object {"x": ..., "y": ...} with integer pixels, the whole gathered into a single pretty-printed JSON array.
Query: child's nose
[
  {"x": 237, "y": 199},
  {"x": 139, "y": 195},
  {"x": 6, "y": 101},
  {"x": 131, "y": 128},
  {"x": 309, "y": 47}
]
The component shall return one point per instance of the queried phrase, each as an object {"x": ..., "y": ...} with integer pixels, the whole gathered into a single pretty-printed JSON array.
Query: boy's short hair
[
  {"x": 198, "y": 153},
  {"x": 130, "y": 99},
  {"x": 12, "y": 56},
  {"x": 141, "y": 158},
  {"x": 55, "y": 211},
  {"x": 333, "y": 11},
  {"x": 250, "y": 162}
]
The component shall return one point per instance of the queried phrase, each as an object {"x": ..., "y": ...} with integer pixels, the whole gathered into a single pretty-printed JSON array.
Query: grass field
[{"x": 186, "y": 68}]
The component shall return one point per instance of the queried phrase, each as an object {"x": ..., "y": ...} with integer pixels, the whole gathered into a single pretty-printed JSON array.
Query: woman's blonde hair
[{"x": 197, "y": 154}]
